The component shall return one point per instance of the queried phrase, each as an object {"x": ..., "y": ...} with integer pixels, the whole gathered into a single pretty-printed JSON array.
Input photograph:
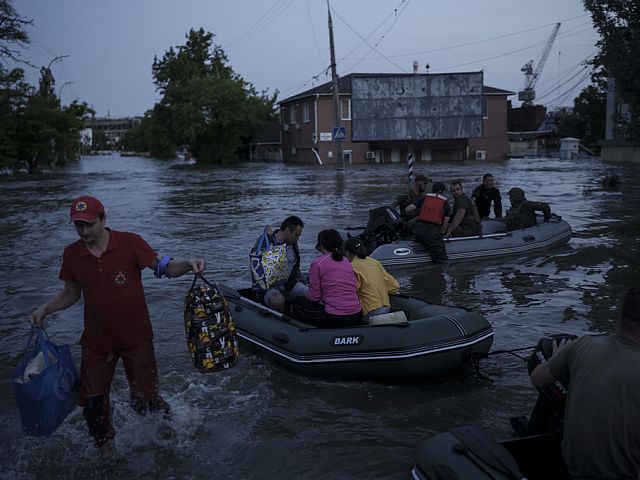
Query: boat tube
[{"x": 434, "y": 339}]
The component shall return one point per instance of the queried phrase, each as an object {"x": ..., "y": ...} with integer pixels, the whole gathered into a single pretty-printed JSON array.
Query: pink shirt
[{"x": 334, "y": 283}]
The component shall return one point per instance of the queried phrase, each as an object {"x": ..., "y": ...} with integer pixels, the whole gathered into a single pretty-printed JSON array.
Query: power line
[
  {"x": 373, "y": 47},
  {"x": 382, "y": 37},
  {"x": 565, "y": 34},
  {"x": 528, "y": 47},
  {"x": 324, "y": 71},
  {"x": 547, "y": 93},
  {"x": 313, "y": 32},
  {"x": 263, "y": 22},
  {"x": 499, "y": 37},
  {"x": 566, "y": 92},
  {"x": 393, "y": 13},
  {"x": 564, "y": 72}
]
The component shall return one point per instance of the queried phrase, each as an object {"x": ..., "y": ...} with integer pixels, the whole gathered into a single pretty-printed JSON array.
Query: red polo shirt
[{"x": 115, "y": 310}]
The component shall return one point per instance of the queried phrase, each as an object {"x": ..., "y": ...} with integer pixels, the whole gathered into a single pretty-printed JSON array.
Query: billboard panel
[{"x": 416, "y": 107}]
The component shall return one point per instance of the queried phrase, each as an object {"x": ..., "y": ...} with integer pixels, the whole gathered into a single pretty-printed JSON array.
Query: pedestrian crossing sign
[{"x": 339, "y": 133}]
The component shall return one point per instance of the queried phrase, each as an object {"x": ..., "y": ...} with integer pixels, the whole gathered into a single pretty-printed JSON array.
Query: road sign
[{"x": 339, "y": 133}]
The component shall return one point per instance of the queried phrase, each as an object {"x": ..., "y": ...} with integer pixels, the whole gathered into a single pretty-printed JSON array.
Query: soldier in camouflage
[{"x": 522, "y": 213}]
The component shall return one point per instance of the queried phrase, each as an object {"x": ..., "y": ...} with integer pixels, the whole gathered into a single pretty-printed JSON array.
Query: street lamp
[
  {"x": 61, "y": 87},
  {"x": 59, "y": 57}
]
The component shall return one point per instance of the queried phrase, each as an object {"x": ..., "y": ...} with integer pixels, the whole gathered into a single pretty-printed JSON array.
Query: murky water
[{"x": 257, "y": 420}]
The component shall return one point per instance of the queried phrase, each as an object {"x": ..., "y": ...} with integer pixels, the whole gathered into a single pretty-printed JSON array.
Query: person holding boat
[
  {"x": 285, "y": 240},
  {"x": 373, "y": 281},
  {"x": 432, "y": 221},
  {"x": 332, "y": 295},
  {"x": 466, "y": 220},
  {"x": 484, "y": 195},
  {"x": 104, "y": 267},
  {"x": 522, "y": 213},
  {"x": 601, "y": 434}
]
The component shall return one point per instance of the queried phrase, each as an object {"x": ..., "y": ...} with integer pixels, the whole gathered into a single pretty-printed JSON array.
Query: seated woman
[
  {"x": 333, "y": 283},
  {"x": 373, "y": 281}
]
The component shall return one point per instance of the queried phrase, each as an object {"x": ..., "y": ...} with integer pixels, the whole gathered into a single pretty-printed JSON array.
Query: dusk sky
[{"x": 283, "y": 44}]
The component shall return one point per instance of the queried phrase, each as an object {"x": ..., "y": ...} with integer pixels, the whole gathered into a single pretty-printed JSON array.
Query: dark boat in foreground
[
  {"x": 468, "y": 452},
  {"x": 434, "y": 340}
]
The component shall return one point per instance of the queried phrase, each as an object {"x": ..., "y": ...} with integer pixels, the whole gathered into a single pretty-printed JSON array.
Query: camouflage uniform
[
  {"x": 470, "y": 224},
  {"x": 522, "y": 213}
]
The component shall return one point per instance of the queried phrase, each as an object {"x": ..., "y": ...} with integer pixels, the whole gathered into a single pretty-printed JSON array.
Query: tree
[
  {"x": 587, "y": 121},
  {"x": 34, "y": 129},
  {"x": 204, "y": 104},
  {"x": 12, "y": 33},
  {"x": 14, "y": 96},
  {"x": 618, "y": 23}
]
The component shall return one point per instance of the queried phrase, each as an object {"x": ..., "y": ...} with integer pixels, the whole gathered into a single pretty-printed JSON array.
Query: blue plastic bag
[{"x": 45, "y": 385}]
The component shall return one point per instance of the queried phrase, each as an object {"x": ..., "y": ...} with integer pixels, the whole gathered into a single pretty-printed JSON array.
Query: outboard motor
[
  {"x": 547, "y": 415},
  {"x": 384, "y": 226}
]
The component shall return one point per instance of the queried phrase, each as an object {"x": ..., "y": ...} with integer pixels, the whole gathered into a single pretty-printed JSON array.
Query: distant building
[
  {"x": 265, "y": 145},
  {"x": 307, "y": 121},
  {"x": 113, "y": 128}
]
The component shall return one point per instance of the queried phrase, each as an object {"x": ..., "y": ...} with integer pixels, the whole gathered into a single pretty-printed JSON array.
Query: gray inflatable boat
[
  {"x": 494, "y": 242},
  {"x": 433, "y": 340}
]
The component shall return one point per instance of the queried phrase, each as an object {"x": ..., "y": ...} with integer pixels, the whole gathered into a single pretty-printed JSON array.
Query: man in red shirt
[{"x": 105, "y": 267}]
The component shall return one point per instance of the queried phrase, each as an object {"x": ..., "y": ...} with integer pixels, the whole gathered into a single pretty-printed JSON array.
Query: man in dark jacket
[
  {"x": 522, "y": 213},
  {"x": 486, "y": 193},
  {"x": 286, "y": 290}
]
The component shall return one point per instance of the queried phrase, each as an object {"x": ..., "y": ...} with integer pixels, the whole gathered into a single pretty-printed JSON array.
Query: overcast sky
[{"x": 283, "y": 44}]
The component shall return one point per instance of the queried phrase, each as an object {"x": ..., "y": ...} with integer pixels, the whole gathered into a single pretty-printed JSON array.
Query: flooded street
[{"x": 257, "y": 420}]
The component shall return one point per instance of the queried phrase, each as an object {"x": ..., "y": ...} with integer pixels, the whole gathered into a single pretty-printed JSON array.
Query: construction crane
[{"x": 528, "y": 95}]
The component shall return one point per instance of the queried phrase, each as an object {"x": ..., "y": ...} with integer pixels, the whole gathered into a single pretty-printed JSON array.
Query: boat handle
[
  {"x": 280, "y": 337},
  {"x": 528, "y": 238}
]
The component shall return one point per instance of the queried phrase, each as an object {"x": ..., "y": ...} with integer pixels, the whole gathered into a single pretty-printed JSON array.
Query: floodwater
[{"x": 257, "y": 420}]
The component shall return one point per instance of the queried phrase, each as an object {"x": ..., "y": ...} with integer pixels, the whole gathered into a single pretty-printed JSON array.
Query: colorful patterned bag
[
  {"x": 210, "y": 330},
  {"x": 268, "y": 263}
]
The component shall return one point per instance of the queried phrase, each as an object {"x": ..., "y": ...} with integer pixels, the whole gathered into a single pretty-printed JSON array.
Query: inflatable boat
[
  {"x": 470, "y": 453},
  {"x": 495, "y": 241},
  {"x": 432, "y": 340}
]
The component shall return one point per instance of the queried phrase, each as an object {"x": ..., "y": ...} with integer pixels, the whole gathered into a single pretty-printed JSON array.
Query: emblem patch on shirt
[
  {"x": 81, "y": 206},
  {"x": 120, "y": 277}
]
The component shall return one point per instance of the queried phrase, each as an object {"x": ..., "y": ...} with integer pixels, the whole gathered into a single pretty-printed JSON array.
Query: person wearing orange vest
[{"x": 433, "y": 220}]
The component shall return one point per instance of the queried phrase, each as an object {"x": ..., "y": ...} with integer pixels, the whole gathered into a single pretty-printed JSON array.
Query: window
[
  {"x": 292, "y": 114},
  {"x": 305, "y": 112},
  {"x": 485, "y": 108},
  {"x": 345, "y": 109}
]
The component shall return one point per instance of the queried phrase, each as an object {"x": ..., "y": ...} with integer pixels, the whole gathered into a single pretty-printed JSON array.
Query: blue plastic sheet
[{"x": 45, "y": 385}]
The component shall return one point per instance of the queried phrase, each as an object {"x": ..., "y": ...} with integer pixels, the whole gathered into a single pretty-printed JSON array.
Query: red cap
[{"x": 86, "y": 209}]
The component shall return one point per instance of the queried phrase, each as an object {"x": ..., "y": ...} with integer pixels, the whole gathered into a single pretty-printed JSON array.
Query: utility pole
[{"x": 336, "y": 96}]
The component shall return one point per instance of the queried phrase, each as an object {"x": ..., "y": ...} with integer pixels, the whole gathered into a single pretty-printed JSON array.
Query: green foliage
[
  {"x": 587, "y": 121},
  {"x": 12, "y": 33},
  {"x": 204, "y": 105},
  {"x": 34, "y": 130},
  {"x": 618, "y": 23}
]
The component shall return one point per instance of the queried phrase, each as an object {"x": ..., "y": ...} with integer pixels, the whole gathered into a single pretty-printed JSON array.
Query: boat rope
[
  {"x": 512, "y": 352},
  {"x": 477, "y": 356}
]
